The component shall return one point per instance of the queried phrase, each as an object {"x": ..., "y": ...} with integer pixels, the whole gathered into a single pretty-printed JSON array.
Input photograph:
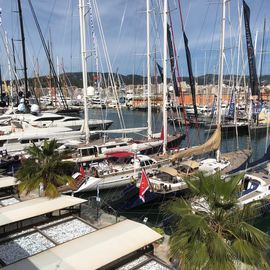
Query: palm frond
[
  {"x": 51, "y": 191},
  {"x": 178, "y": 207},
  {"x": 44, "y": 167},
  {"x": 212, "y": 231}
]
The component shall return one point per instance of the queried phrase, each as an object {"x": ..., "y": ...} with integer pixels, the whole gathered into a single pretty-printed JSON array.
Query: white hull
[
  {"x": 93, "y": 183},
  {"x": 55, "y": 120},
  {"x": 258, "y": 188},
  {"x": 116, "y": 180}
]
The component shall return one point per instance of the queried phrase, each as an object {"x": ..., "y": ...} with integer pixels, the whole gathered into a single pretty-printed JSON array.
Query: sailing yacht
[
  {"x": 108, "y": 175},
  {"x": 175, "y": 184},
  {"x": 90, "y": 152}
]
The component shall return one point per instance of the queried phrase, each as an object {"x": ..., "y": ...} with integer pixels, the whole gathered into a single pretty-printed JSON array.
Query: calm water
[{"x": 139, "y": 119}]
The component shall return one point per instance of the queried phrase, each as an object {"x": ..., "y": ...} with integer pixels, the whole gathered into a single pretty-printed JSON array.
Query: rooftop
[
  {"x": 36, "y": 207},
  {"x": 93, "y": 250}
]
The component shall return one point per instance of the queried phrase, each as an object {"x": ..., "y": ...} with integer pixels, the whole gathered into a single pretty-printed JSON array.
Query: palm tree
[
  {"x": 212, "y": 231},
  {"x": 45, "y": 167}
]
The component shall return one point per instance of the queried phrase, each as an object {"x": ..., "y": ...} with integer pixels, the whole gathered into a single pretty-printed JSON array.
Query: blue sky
[{"x": 124, "y": 25}]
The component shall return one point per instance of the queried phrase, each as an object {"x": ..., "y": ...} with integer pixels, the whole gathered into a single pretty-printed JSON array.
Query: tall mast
[
  {"x": 255, "y": 92},
  {"x": 1, "y": 88},
  {"x": 84, "y": 67},
  {"x": 9, "y": 71},
  {"x": 23, "y": 48},
  {"x": 240, "y": 15},
  {"x": 165, "y": 30},
  {"x": 221, "y": 64},
  {"x": 262, "y": 52},
  {"x": 149, "y": 120}
]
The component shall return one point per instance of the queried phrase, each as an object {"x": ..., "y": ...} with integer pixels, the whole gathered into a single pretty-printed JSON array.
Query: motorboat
[
  {"x": 56, "y": 120},
  {"x": 255, "y": 185}
]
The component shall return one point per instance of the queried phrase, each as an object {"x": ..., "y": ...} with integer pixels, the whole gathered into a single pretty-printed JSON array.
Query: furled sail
[
  {"x": 160, "y": 70},
  {"x": 211, "y": 145},
  {"x": 172, "y": 62},
  {"x": 251, "y": 56},
  {"x": 190, "y": 73}
]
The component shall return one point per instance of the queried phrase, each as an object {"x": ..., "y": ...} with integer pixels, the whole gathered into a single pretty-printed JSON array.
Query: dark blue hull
[{"x": 130, "y": 198}]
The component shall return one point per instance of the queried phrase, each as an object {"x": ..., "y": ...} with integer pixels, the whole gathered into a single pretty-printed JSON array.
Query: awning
[
  {"x": 94, "y": 250},
  {"x": 36, "y": 207},
  {"x": 7, "y": 181},
  {"x": 168, "y": 170},
  {"x": 190, "y": 163},
  {"x": 119, "y": 154}
]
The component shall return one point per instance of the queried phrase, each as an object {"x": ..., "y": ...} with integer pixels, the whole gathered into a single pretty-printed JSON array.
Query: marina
[{"x": 141, "y": 142}]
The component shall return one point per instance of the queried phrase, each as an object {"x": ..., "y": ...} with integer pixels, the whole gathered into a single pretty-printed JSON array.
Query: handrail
[{"x": 99, "y": 203}]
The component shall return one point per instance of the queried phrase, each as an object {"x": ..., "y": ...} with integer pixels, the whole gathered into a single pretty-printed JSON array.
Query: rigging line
[
  {"x": 107, "y": 58},
  {"x": 71, "y": 39},
  {"x": 119, "y": 33},
  {"x": 31, "y": 90},
  {"x": 9, "y": 56},
  {"x": 232, "y": 50},
  {"x": 29, "y": 39},
  {"x": 106, "y": 62},
  {"x": 212, "y": 42},
  {"x": 92, "y": 30},
  {"x": 48, "y": 23},
  {"x": 204, "y": 22},
  {"x": 179, "y": 79},
  {"x": 68, "y": 8},
  {"x": 9, "y": 49},
  {"x": 155, "y": 24},
  {"x": 57, "y": 82},
  {"x": 15, "y": 30},
  {"x": 262, "y": 55},
  {"x": 192, "y": 83},
  {"x": 258, "y": 14},
  {"x": 240, "y": 13},
  {"x": 18, "y": 60}
]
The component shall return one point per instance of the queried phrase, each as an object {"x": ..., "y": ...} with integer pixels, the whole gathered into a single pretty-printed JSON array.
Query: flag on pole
[
  {"x": 82, "y": 170},
  {"x": 144, "y": 185}
]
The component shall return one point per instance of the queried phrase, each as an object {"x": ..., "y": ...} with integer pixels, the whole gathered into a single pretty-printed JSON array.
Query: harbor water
[{"x": 135, "y": 118}]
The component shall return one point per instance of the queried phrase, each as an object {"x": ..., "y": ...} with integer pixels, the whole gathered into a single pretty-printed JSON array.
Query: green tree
[
  {"x": 212, "y": 230},
  {"x": 45, "y": 167}
]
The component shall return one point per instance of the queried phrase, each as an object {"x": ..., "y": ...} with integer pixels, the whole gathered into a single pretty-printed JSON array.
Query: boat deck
[
  {"x": 236, "y": 159},
  {"x": 249, "y": 196},
  {"x": 262, "y": 173}
]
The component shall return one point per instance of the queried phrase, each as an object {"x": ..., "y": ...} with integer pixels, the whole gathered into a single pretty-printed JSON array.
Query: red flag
[
  {"x": 82, "y": 170},
  {"x": 162, "y": 134},
  {"x": 144, "y": 185}
]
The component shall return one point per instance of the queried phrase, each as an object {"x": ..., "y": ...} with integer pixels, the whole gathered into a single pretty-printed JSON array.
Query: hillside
[{"x": 75, "y": 79}]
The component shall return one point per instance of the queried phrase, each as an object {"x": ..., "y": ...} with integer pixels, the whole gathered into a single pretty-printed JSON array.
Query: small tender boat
[{"x": 255, "y": 185}]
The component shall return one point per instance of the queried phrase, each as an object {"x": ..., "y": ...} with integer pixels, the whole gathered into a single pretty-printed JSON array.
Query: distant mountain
[{"x": 75, "y": 79}]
